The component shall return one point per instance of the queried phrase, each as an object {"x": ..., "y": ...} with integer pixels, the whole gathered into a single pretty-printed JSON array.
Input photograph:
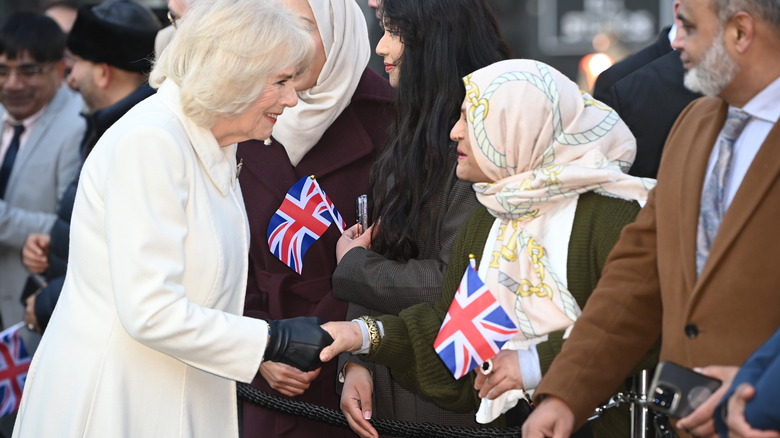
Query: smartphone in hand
[
  {"x": 361, "y": 212},
  {"x": 677, "y": 391}
]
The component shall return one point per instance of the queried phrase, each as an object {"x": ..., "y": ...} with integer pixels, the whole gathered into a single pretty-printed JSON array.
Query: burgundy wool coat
[{"x": 341, "y": 161}]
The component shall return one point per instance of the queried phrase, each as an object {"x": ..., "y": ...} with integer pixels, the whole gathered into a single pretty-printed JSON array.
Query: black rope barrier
[{"x": 383, "y": 426}]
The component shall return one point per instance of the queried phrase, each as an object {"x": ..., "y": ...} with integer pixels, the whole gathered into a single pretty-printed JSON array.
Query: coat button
[{"x": 691, "y": 331}]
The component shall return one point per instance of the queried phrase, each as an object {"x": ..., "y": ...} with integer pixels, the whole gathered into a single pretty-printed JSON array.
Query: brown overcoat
[{"x": 650, "y": 287}]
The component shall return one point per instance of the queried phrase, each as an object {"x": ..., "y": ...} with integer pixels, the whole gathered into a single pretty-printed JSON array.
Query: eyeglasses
[
  {"x": 24, "y": 71},
  {"x": 172, "y": 17}
]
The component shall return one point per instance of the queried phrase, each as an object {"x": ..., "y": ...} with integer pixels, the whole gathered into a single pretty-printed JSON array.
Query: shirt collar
[
  {"x": 9, "y": 122},
  {"x": 764, "y": 105}
]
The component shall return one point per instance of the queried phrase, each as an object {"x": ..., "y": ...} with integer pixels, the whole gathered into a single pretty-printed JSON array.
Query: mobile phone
[
  {"x": 361, "y": 212},
  {"x": 676, "y": 391}
]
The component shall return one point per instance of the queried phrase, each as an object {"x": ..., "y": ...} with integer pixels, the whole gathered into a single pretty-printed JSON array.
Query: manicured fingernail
[{"x": 367, "y": 415}]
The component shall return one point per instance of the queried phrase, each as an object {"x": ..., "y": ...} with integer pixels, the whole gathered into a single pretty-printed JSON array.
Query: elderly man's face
[
  {"x": 27, "y": 85},
  {"x": 709, "y": 67}
]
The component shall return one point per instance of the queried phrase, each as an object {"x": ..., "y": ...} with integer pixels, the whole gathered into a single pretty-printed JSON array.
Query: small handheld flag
[
  {"x": 14, "y": 363},
  {"x": 475, "y": 327},
  {"x": 303, "y": 217}
]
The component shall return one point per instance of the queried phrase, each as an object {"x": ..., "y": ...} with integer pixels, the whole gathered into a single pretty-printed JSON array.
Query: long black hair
[{"x": 444, "y": 40}]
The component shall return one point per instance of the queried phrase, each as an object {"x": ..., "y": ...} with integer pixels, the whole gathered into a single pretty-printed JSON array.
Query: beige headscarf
[
  {"x": 544, "y": 142},
  {"x": 347, "y": 49}
]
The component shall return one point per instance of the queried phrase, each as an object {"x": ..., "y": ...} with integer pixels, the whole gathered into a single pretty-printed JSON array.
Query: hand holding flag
[
  {"x": 303, "y": 217},
  {"x": 475, "y": 327}
]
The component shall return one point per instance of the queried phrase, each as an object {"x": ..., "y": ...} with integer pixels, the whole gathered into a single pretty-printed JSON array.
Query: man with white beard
[{"x": 697, "y": 268}]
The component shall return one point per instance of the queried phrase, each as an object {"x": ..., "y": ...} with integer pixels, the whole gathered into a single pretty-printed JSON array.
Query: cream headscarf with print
[
  {"x": 347, "y": 49},
  {"x": 544, "y": 142}
]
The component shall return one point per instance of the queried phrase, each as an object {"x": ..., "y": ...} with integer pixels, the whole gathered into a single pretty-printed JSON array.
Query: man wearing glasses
[
  {"x": 112, "y": 45},
  {"x": 39, "y": 140}
]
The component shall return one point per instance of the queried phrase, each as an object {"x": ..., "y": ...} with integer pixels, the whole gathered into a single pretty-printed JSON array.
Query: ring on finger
[{"x": 487, "y": 367}]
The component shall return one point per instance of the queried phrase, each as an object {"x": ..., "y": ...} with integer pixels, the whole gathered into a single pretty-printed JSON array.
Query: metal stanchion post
[{"x": 640, "y": 414}]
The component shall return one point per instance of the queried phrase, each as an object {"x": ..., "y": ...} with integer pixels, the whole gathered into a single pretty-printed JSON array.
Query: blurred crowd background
[{"x": 578, "y": 37}]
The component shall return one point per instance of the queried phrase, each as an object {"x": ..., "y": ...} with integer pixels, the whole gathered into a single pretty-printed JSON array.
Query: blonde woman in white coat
[{"x": 147, "y": 339}]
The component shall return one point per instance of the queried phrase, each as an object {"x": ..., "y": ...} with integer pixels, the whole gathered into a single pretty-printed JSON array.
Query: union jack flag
[
  {"x": 304, "y": 216},
  {"x": 14, "y": 362},
  {"x": 475, "y": 327}
]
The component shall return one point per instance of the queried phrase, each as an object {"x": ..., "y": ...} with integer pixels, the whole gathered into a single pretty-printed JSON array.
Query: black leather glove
[{"x": 297, "y": 342}]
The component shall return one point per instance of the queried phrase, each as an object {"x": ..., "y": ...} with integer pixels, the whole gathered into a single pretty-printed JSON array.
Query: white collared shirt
[{"x": 8, "y": 131}]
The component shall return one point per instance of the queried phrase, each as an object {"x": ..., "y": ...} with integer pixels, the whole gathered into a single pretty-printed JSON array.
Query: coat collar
[
  {"x": 219, "y": 163},
  {"x": 707, "y": 127},
  {"x": 758, "y": 180},
  {"x": 760, "y": 177}
]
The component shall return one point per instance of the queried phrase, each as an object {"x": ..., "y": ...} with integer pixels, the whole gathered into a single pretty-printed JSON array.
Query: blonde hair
[{"x": 224, "y": 51}]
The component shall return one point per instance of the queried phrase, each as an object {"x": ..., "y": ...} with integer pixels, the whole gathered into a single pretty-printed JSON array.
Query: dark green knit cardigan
[{"x": 407, "y": 346}]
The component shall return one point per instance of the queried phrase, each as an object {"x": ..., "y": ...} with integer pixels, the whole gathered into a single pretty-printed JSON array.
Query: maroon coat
[{"x": 341, "y": 161}]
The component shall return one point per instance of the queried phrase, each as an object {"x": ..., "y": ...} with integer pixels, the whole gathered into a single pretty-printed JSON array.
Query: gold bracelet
[{"x": 373, "y": 333}]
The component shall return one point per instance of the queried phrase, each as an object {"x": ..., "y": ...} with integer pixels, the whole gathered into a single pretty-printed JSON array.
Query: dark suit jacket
[
  {"x": 341, "y": 161},
  {"x": 629, "y": 64},
  {"x": 649, "y": 101},
  {"x": 762, "y": 370},
  {"x": 646, "y": 89},
  {"x": 650, "y": 287}
]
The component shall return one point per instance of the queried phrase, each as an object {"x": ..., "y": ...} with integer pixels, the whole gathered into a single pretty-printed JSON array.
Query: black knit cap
[{"x": 118, "y": 32}]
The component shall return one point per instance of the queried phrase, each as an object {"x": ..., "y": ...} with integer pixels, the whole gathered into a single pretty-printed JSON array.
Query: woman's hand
[
  {"x": 352, "y": 238},
  {"x": 35, "y": 253},
  {"x": 288, "y": 380},
  {"x": 505, "y": 376},
  {"x": 356, "y": 399},
  {"x": 701, "y": 422},
  {"x": 346, "y": 337}
]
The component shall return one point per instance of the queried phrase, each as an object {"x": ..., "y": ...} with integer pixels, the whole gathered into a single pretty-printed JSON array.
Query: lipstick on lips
[{"x": 389, "y": 67}]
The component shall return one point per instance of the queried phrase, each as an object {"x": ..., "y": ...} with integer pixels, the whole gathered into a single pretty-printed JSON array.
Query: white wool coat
[{"x": 147, "y": 339}]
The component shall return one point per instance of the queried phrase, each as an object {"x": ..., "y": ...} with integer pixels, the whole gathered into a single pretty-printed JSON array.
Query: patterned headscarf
[
  {"x": 347, "y": 49},
  {"x": 544, "y": 142}
]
